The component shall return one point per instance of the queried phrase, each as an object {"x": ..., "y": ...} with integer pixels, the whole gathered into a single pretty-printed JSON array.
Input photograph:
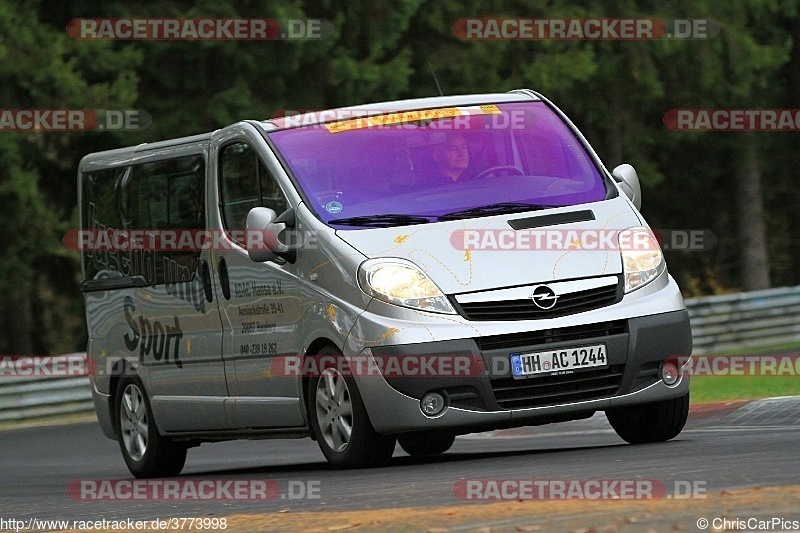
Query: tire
[
  {"x": 146, "y": 452},
  {"x": 339, "y": 420},
  {"x": 653, "y": 422},
  {"x": 426, "y": 443}
]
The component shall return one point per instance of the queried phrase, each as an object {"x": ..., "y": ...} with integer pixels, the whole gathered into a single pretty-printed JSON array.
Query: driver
[{"x": 452, "y": 159}]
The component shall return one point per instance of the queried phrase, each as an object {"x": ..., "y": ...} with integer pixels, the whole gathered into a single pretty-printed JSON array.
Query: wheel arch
[
  {"x": 121, "y": 370},
  {"x": 313, "y": 349}
]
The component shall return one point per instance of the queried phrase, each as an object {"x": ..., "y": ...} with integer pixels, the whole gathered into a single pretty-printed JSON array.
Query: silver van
[{"x": 399, "y": 272}]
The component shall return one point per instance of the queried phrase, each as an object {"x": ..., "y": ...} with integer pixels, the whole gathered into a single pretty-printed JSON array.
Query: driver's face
[{"x": 453, "y": 155}]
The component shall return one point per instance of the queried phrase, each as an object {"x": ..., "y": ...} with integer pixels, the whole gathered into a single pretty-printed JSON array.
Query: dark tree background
[{"x": 740, "y": 186}]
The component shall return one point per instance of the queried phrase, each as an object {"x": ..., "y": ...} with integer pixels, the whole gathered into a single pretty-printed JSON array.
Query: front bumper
[{"x": 492, "y": 399}]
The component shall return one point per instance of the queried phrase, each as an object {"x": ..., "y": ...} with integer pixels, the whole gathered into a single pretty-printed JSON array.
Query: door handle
[
  {"x": 205, "y": 279},
  {"x": 224, "y": 281}
]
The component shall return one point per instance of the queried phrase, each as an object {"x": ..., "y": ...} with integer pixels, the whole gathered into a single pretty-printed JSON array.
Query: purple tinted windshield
[{"x": 513, "y": 153}]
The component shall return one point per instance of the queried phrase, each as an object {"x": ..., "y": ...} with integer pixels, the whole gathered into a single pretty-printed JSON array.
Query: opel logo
[{"x": 544, "y": 297}]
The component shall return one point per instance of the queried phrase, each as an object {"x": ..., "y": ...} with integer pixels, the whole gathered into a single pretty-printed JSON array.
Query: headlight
[
  {"x": 642, "y": 260},
  {"x": 402, "y": 283}
]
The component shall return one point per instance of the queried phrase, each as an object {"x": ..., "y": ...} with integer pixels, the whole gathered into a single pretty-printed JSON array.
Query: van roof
[{"x": 124, "y": 155}]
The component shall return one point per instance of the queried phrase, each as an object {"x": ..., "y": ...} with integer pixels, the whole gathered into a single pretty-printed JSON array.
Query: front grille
[
  {"x": 567, "y": 304},
  {"x": 550, "y": 390},
  {"x": 547, "y": 336}
]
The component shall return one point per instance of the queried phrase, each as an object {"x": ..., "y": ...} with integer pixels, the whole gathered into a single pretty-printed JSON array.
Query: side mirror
[
  {"x": 269, "y": 230},
  {"x": 628, "y": 180}
]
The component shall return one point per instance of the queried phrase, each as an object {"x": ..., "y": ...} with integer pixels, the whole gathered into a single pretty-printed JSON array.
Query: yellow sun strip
[{"x": 410, "y": 116}]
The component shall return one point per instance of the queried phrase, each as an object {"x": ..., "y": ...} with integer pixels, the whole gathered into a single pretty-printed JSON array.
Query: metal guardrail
[
  {"x": 37, "y": 395},
  {"x": 745, "y": 320},
  {"x": 741, "y": 320}
]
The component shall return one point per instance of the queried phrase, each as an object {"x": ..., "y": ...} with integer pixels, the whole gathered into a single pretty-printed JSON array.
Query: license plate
[{"x": 561, "y": 361}]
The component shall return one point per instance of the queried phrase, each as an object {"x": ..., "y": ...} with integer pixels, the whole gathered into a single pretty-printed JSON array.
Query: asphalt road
[{"x": 720, "y": 452}]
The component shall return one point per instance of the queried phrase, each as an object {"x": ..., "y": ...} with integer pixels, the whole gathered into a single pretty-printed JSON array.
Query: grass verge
[{"x": 782, "y": 380}]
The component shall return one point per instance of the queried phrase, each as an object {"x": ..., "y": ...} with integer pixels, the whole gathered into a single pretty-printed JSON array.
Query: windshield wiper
[
  {"x": 493, "y": 209},
  {"x": 381, "y": 221}
]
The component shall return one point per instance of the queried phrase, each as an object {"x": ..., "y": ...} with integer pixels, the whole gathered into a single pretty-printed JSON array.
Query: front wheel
[
  {"x": 146, "y": 452},
  {"x": 339, "y": 419},
  {"x": 652, "y": 422},
  {"x": 426, "y": 443}
]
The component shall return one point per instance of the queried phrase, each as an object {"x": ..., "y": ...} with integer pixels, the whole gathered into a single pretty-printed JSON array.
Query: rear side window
[{"x": 163, "y": 198}]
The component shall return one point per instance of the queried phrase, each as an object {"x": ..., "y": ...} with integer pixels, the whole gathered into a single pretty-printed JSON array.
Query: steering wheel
[{"x": 491, "y": 170}]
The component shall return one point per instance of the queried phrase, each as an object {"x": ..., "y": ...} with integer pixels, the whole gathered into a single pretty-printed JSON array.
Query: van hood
[{"x": 485, "y": 253}]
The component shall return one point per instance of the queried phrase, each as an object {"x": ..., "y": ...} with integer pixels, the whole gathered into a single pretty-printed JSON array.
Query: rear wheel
[
  {"x": 146, "y": 452},
  {"x": 339, "y": 419},
  {"x": 653, "y": 422},
  {"x": 426, "y": 443}
]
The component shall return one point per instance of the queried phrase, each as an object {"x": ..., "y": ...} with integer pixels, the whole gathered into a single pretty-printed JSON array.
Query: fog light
[
  {"x": 669, "y": 373},
  {"x": 432, "y": 404}
]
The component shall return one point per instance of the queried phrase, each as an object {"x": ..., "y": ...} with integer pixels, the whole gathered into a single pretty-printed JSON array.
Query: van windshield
[{"x": 442, "y": 164}]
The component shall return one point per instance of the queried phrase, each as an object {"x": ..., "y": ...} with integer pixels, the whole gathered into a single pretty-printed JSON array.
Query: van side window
[
  {"x": 246, "y": 183},
  {"x": 157, "y": 197},
  {"x": 163, "y": 195},
  {"x": 168, "y": 195}
]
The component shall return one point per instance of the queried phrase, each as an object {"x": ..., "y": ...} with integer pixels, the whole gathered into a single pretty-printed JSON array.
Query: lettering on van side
[
  {"x": 258, "y": 327},
  {"x": 270, "y": 308},
  {"x": 249, "y": 289},
  {"x": 151, "y": 337},
  {"x": 189, "y": 291}
]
